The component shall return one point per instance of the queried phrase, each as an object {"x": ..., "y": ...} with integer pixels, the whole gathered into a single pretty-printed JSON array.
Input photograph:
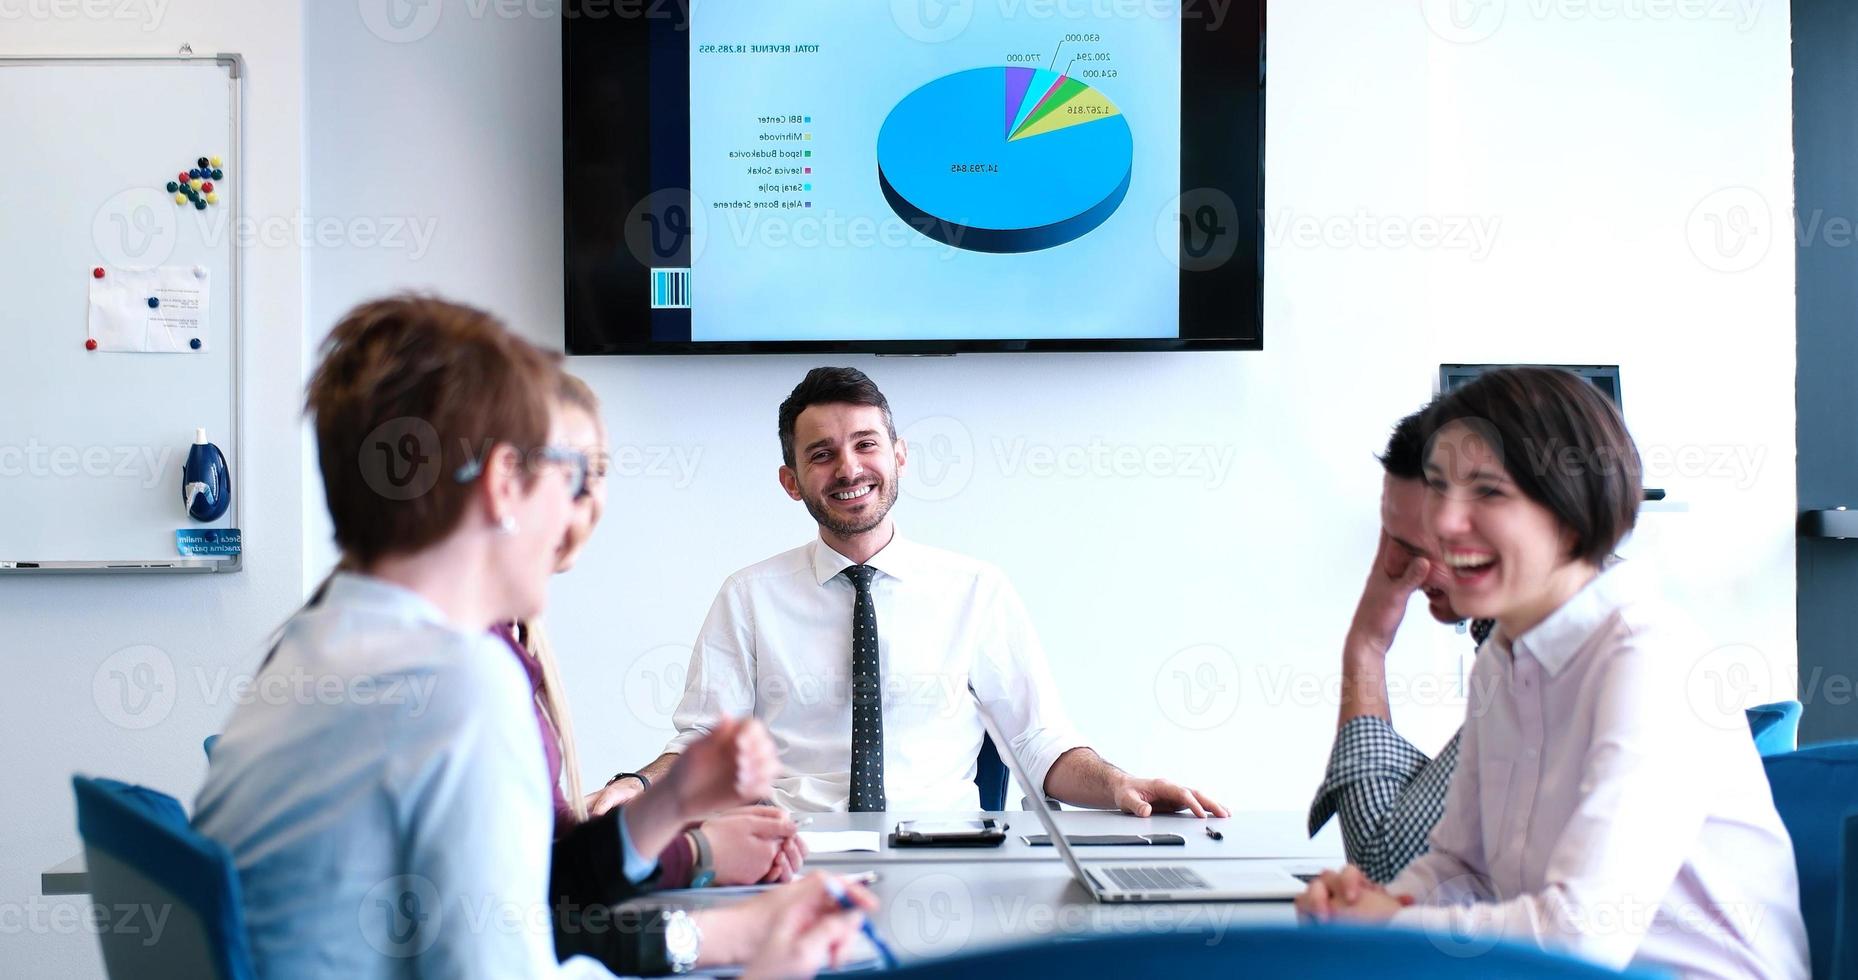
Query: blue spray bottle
[{"x": 206, "y": 481}]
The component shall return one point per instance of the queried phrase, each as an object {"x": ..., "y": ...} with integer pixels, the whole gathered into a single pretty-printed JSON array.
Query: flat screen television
[{"x": 913, "y": 176}]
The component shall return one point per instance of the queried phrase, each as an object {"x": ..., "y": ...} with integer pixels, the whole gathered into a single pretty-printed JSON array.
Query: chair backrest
[
  {"x": 1815, "y": 790},
  {"x": 173, "y": 894},
  {"x": 1776, "y": 727},
  {"x": 990, "y": 775},
  {"x": 206, "y": 745},
  {"x": 1308, "y": 954}
]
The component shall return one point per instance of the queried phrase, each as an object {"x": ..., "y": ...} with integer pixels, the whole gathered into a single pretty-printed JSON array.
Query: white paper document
[
  {"x": 162, "y": 310},
  {"x": 839, "y": 841}
]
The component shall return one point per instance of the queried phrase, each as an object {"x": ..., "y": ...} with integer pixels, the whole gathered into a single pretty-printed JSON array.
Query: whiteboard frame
[{"x": 235, "y": 76}]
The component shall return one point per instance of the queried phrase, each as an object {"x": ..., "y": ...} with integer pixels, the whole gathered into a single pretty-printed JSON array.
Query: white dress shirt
[
  {"x": 778, "y": 644},
  {"x": 385, "y": 798},
  {"x": 1603, "y": 807}
]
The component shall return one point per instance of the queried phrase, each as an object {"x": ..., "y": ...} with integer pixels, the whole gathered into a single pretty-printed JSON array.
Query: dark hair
[
  {"x": 1562, "y": 442},
  {"x": 828, "y": 386},
  {"x": 1405, "y": 455},
  {"x": 410, "y": 393}
]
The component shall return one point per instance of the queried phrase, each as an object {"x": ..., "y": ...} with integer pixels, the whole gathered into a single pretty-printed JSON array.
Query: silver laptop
[{"x": 1210, "y": 881}]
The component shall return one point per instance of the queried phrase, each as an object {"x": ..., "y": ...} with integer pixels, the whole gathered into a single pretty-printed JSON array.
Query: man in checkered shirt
[{"x": 1388, "y": 793}]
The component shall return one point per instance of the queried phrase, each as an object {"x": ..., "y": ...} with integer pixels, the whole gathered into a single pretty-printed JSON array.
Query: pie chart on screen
[{"x": 1005, "y": 159}]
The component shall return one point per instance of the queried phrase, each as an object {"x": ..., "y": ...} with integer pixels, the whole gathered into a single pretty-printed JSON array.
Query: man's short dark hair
[
  {"x": 830, "y": 386},
  {"x": 1405, "y": 456},
  {"x": 1563, "y": 443}
]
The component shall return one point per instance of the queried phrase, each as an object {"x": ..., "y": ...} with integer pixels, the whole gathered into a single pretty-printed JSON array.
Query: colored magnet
[
  {"x": 199, "y": 272},
  {"x": 193, "y": 174},
  {"x": 153, "y": 302},
  {"x": 212, "y": 199},
  {"x": 199, "y": 204},
  {"x": 183, "y": 177},
  {"x": 97, "y": 273},
  {"x": 218, "y": 174},
  {"x": 213, "y": 162},
  {"x": 180, "y": 198},
  {"x": 194, "y": 343},
  {"x": 203, "y": 163},
  {"x": 172, "y": 187},
  {"x": 207, "y": 186},
  {"x": 196, "y": 183},
  {"x": 90, "y": 344}
]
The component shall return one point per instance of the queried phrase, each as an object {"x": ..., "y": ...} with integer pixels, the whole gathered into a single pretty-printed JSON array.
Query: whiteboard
[{"x": 92, "y": 442}]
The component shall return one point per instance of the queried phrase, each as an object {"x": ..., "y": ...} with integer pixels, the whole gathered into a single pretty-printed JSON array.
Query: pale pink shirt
[{"x": 1607, "y": 804}]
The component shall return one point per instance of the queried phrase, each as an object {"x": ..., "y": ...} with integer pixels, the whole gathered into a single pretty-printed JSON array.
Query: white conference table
[
  {"x": 943, "y": 901},
  {"x": 940, "y": 902},
  {"x": 1273, "y": 835}
]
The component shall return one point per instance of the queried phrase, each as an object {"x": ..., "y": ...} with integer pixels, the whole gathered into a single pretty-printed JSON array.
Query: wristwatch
[
  {"x": 683, "y": 941},
  {"x": 644, "y": 780}
]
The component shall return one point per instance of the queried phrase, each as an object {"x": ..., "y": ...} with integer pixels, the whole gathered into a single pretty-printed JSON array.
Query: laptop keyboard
[{"x": 1155, "y": 879}]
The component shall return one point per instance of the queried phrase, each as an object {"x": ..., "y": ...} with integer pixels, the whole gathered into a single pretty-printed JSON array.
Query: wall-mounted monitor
[
  {"x": 1602, "y": 376},
  {"x": 914, "y": 176}
]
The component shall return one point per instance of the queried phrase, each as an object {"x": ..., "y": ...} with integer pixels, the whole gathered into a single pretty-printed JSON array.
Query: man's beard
[{"x": 885, "y": 492}]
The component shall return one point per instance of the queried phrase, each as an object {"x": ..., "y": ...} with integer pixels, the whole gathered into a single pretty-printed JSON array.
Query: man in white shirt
[{"x": 858, "y": 650}]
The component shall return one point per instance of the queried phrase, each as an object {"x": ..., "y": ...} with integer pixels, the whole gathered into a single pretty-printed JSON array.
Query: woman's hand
[
  {"x": 793, "y": 931},
  {"x": 1348, "y": 895},
  {"x": 808, "y": 931},
  {"x": 754, "y": 844}
]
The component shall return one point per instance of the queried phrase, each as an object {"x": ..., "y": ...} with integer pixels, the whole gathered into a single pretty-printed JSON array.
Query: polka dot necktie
[{"x": 867, "y": 703}]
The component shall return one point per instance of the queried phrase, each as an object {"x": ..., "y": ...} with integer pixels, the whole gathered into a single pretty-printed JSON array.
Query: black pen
[{"x": 1210, "y": 832}]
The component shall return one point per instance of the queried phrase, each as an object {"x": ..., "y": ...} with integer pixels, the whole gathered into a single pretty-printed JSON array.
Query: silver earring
[{"x": 507, "y": 525}]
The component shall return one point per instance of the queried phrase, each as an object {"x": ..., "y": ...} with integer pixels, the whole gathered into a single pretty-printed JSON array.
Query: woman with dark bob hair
[{"x": 1596, "y": 809}]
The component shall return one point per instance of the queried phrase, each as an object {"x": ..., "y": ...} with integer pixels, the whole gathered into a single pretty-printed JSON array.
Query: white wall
[
  {"x": 60, "y": 712},
  {"x": 1182, "y": 613}
]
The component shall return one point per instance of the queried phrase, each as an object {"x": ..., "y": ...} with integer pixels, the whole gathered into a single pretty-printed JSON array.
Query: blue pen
[{"x": 837, "y": 890}]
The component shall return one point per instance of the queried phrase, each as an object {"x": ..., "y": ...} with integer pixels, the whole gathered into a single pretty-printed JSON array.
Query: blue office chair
[
  {"x": 990, "y": 774},
  {"x": 1816, "y": 791},
  {"x": 1308, "y": 954},
  {"x": 207, "y": 744},
  {"x": 1776, "y": 727},
  {"x": 141, "y": 853}
]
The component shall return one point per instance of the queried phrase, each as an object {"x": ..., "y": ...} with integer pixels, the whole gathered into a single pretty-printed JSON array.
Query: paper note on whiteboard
[{"x": 149, "y": 311}]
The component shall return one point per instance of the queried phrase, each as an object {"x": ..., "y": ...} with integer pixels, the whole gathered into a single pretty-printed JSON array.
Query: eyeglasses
[{"x": 574, "y": 459}]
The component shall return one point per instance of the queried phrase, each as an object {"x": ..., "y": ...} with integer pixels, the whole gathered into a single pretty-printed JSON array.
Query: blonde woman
[{"x": 738, "y": 847}]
